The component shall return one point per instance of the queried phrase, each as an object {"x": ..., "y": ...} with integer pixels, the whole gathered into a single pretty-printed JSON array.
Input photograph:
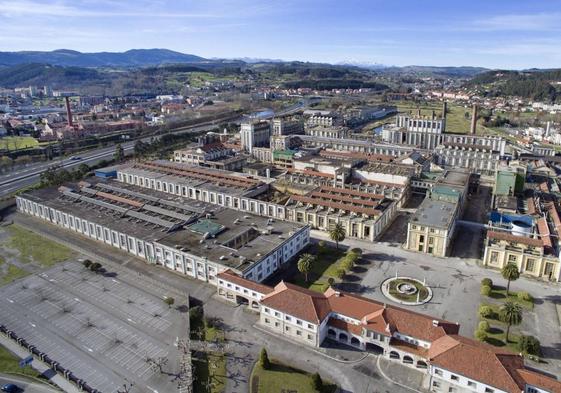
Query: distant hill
[
  {"x": 45, "y": 74},
  {"x": 445, "y": 71},
  {"x": 130, "y": 58},
  {"x": 539, "y": 85}
]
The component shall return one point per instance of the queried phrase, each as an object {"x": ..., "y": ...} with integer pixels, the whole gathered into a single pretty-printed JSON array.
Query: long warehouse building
[{"x": 190, "y": 237}]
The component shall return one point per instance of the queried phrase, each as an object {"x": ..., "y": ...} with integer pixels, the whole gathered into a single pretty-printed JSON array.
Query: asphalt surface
[{"x": 26, "y": 385}]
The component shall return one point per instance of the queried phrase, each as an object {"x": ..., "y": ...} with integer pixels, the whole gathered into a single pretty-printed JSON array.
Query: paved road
[{"x": 26, "y": 385}]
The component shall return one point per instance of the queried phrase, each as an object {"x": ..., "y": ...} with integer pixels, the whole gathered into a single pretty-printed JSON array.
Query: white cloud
[{"x": 536, "y": 22}]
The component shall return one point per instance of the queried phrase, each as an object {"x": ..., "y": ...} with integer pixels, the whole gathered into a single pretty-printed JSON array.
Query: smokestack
[
  {"x": 444, "y": 109},
  {"x": 474, "y": 120},
  {"x": 547, "y": 128},
  {"x": 433, "y": 114},
  {"x": 419, "y": 112},
  {"x": 68, "y": 112}
]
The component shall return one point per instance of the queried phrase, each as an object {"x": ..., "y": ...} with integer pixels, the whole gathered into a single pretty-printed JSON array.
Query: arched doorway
[
  {"x": 374, "y": 348},
  {"x": 355, "y": 341},
  {"x": 407, "y": 359},
  {"x": 394, "y": 355},
  {"x": 242, "y": 300},
  {"x": 343, "y": 337},
  {"x": 421, "y": 364},
  {"x": 331, "y": 333}
]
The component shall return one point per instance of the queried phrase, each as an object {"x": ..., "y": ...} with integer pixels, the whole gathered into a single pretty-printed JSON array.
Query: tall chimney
[
  {"x": 419, "y": 112},
  {"x": 444, "y": 109},
  {"x": 474, "y": 120},
  {"x": 68, "y": 112}
]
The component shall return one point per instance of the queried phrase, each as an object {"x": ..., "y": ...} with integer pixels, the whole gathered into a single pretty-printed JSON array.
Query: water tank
[{"x": 521, "y": 228}]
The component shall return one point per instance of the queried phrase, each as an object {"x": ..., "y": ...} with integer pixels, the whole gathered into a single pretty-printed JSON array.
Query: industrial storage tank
[{"x": 521, "y": 228}]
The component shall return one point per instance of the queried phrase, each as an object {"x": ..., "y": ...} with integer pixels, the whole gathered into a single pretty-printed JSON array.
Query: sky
[{"x": 511, "y": 34}]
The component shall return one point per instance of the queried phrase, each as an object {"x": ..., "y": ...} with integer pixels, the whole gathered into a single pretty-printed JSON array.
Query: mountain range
[{"x": 130, "y": 58}]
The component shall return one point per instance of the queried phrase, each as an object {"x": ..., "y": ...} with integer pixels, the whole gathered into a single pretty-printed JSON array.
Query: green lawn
[
  {"x": 9, "y": 363},
  {"x": 499, "y": 293},
  {"x": 33, "y": 247},
  {"x": 12, "y": 273},
  {"x": 210, "y": 373},
  {"x": 496, "y": 336},
  {"x": 324, "y": 267},
  {"x": 18, "y": 142},
  {"x": 456, "y": 121},
  {"x": 283, "y": 379}
]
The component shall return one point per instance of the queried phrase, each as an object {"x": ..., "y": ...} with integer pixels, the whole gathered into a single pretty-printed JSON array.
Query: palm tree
[
  {"x": 510, "y": 272},
  {"x": 305, "y": 264},
  {"x": 511, "y": 314},
  {"x": 337, "y": 234}
]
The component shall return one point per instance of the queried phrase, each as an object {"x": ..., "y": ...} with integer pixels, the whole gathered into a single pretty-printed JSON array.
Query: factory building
[{"x": 189, "y": 237}]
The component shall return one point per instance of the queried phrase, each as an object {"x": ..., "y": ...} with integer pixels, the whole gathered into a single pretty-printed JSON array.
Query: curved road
[{"x": 26, "y": 385}]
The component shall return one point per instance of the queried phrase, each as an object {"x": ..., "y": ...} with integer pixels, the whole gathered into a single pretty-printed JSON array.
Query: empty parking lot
[{"x": 102, "y": 327}]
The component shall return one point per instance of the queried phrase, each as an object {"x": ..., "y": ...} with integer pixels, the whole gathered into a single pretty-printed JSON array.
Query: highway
[
  {"x": 25, "y": 177},
  {"x": 26, "y": 385}
]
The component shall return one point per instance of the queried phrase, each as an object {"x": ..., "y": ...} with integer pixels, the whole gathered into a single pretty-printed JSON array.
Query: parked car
[{"x": 10, "y": 388}]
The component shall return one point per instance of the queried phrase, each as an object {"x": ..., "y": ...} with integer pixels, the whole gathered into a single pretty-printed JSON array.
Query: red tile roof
[
  {"x": 530, "y": 241},
  {"x": 478, "y": 361},
  {"x": 230, "y": 276},
  {"x": 540, "y": 381},
  {"x": 301, "y": 303}
]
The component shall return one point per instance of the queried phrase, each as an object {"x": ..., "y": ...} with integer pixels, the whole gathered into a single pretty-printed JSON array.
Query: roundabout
[{"x": 406, "y": 290}]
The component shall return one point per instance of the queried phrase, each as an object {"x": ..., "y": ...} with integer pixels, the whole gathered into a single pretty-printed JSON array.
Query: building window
[
  {"x": 435, "y": 384},
  {"x": 438, "y": 372},
  {"x": 310, "y": 337},
  {"x": 472, "y": 384},
  {"x": 454, "y": 377},
  {"x": 267, "y": 320},
  {"x": 298, "y": 332},
  {"x": 512, "y": 258},
  {"x": 530, "y": 264},
  {"x": 287, "y": 328},
  {"x": 494, "y": 257},
  {"x": 489, "y": 390}
]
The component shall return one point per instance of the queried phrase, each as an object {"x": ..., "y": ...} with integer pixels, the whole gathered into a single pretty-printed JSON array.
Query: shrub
[
  {"x": 347, "y": 264},
  {"x": 484, "y": 326},
  {"x": 486, "y": 312},
  {"x": 529, "y": 345},
  {"x": 87, "y": 263},
  {"x": 95, "y": 267},
  {"x": 357, "y": 251},
  {"x": 317, "y": 383},
  {"x": 196, "y": 313},
  {"x": 340, "y": 273},
  {"x": 525, "y": 296},
  {"x": 351, "y": 256},
  {"x": 480, "y": 335},
  {"x": 487, "y": 281},
  {"x": 330, "y": 281},
  {"x": 485, "y": 290},
  {"x": 264, "y": 359}
]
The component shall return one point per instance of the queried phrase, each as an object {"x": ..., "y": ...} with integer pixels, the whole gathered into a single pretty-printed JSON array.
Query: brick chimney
[{"x": 68, "y": 112}]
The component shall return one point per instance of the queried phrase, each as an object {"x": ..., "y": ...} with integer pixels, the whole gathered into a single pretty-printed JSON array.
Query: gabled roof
[
  {"x": 478, "y": 361},
  {"x": 530, "y": 241},
  {"x": 301, "y": 303}
]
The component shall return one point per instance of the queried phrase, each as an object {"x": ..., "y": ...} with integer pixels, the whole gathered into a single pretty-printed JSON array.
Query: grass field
[
  {"x": 324, "y": 267},
  {"x": 282, "y": 379},
  {"x": 11, "y": 273},
  {"x": 456, "y": 120},
  {"x": 17, "y": 142},
  {"x": 33, "y": 247},
  {"x": 499, "y": 293},
  {"x": 9, "y": 364}
]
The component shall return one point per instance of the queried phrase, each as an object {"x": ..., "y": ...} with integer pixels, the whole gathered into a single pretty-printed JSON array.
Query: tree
[
  {"x": 95, "y": 267},
  {"x": 119, "y": 153},
  {"x": 510, "y": 273},
  {"x": 529, "y": 345},
  {"x": 87, "y": 263},
  {"x": 337, "y": 234},
  {"x": 485, "y": 290},
  {"x": 305, "y": 264},
  {"x": 264, "y": 359},
  {"x": 169, "y": 301},
  {"x": 317, "y": 382},
  {"x": 511, "y": 314},
  {"x": 481, "y": 335}
]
